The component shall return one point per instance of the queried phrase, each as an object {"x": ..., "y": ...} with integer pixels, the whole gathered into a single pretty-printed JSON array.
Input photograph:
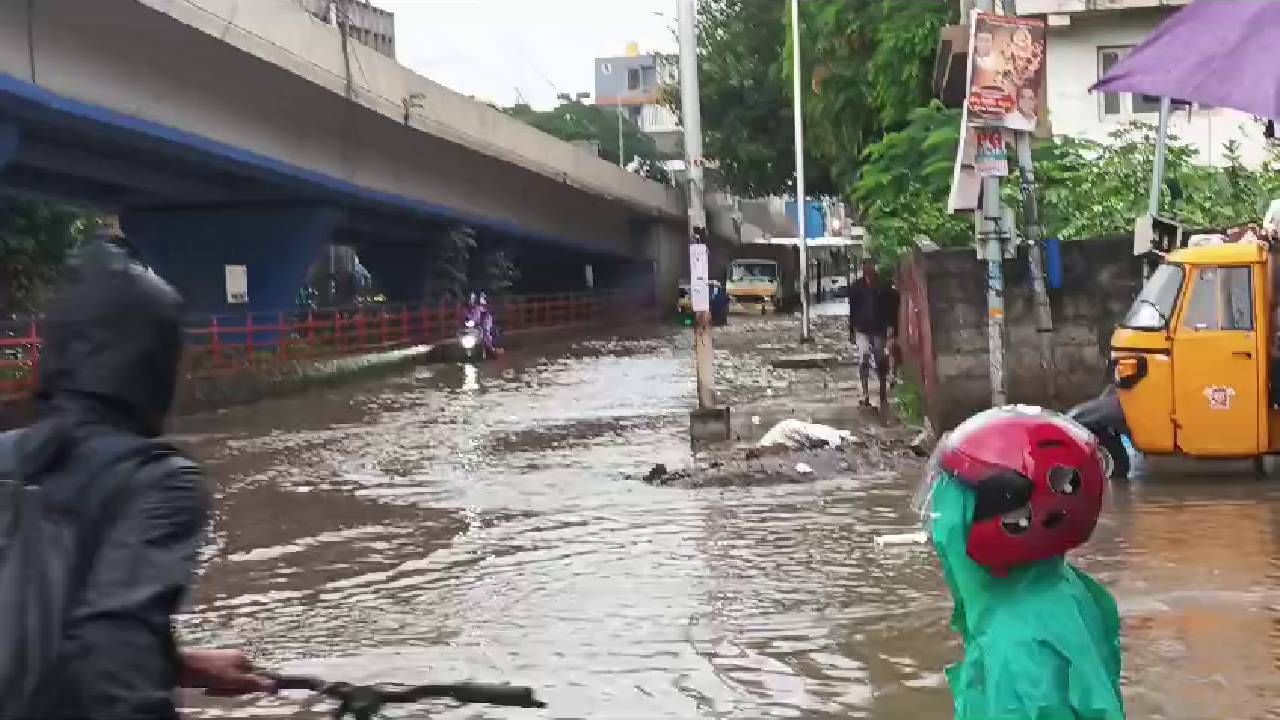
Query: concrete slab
[{"x": 710, "y": 425}]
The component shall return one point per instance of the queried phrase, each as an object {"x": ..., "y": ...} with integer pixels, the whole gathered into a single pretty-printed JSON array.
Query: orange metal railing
[{"x": 221, "y": 343}]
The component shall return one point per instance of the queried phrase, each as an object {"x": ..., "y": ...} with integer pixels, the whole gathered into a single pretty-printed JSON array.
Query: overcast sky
[{"x": 499, "y": 50}]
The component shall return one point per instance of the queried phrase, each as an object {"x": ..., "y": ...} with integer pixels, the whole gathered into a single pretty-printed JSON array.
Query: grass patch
[{"x": 908, "y": 401}]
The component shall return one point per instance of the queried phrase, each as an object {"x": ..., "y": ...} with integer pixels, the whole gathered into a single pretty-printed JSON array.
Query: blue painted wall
[
  {"x": 815, "y": 220},
  {"x": 191, "y": 249}
]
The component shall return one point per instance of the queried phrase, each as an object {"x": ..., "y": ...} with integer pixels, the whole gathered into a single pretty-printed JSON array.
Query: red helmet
[{"x": 1038, "y": 477}]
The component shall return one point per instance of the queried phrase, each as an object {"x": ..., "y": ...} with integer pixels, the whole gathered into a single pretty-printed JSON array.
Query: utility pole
[
  {"x": 1035, "y": 262},
  {"x": 802, "y": 237},
  {"x": 618, "y": 108},
  {"x": 343, "y": 18},
  {"x": 993, "y": 233},
  {"x": 699, "y": 292},
  {"x": 1157, "y": 174},
  {"x": 1157, "y": 168}
]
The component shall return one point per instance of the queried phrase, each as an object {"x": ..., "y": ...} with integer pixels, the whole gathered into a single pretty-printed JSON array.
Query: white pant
[{"x": 870, "y": 352}]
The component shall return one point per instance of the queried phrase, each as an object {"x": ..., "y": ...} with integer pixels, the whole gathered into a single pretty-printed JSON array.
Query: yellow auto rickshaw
[
  {"x": 684, "y": 304},
  {"x": 1191, "y": 361}
]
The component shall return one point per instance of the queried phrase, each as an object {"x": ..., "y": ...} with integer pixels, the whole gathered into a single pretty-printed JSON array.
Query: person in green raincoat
[{"x": 1007, "y": 494}]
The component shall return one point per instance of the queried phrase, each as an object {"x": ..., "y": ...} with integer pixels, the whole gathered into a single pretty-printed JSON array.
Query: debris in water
[
  {"x": 809, "y": 360},
  {"x": 922, "y": 443},
  {"x": 800, "y": 435},
  {"x": 660, "y": 475},
  {"x": 803, "y": 468},
  {"x": 913, "y": 538}
]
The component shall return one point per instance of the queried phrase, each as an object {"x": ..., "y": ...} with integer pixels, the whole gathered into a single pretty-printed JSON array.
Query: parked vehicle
[
  {"x": 1193, "y": 362},
  {"x": 763, "y": 278},
  {"x": 684, "y": 303}
]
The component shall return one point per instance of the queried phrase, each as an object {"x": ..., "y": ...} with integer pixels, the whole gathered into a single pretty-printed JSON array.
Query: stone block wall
[{"x": 944, "y": 326}]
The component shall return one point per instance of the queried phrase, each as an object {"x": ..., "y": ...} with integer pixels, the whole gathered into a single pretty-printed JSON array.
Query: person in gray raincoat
[{"x": 108, "y": 372}]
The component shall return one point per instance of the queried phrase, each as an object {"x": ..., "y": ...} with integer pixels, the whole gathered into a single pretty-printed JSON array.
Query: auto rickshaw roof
[{"x": 1225, "y": 254}]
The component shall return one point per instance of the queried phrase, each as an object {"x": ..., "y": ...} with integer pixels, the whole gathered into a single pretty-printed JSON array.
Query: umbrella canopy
[{"x": 1213, "y": 52}]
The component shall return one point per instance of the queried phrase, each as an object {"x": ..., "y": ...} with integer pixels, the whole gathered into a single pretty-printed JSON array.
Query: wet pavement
[{"x": 457, "y": 523}]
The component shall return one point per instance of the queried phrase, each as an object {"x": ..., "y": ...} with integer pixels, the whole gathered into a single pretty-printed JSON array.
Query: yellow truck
[{"x": 1192, "y": 361}]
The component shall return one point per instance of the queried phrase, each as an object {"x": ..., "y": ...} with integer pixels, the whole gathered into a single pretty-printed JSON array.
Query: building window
[
  {"x": 1146, "y": 104},
  {"x": 648, "y": 77},
  {"x": 606, "y": 68},
  {"x": 633, "y": 78},
  {"x": 1107, "y": 59},
  {"x": 1121, "y": 105}
]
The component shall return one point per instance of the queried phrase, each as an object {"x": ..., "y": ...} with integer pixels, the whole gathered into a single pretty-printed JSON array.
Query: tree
[
  {"x": 868, "y": 64},
  {"x": 746, "y": 99},
  {"x": 575, "y": 121},
  {"x": 447, "y": 264},
  {"x": 1090, "y": 188},
  {"x": 498, "y": 271},
  {"x": 904, "y": 182},
  {"x": 35, "y": 238}
]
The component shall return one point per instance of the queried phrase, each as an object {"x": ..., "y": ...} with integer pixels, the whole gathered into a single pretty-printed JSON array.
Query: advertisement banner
[
  {"x": 1006, "y": 72},
  {"x": 991, "y": 155}
]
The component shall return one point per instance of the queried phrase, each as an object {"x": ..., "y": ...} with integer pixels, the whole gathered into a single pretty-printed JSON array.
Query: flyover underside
[{"x": 194, "y": 206}]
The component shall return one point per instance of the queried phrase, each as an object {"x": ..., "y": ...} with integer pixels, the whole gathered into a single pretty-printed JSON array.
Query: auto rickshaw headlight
[{"x": 1127, "y": 370}]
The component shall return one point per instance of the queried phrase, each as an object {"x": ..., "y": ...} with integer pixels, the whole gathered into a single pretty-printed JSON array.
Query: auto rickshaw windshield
[{"x": 1154, "y": 305}]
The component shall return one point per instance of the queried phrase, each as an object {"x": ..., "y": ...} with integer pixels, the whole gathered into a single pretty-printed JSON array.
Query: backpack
[{"x": 46, "y": 554}]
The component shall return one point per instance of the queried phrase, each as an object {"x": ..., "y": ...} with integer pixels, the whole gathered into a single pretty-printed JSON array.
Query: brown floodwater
[{"x": 456, "y": 523}]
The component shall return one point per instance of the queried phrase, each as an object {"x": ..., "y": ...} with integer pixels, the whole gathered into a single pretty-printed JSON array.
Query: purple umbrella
[{"x": 1213, "y": 52}]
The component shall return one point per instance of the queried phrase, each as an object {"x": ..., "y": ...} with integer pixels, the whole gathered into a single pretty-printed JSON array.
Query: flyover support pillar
[
  {"x": 667, "y": 247},
  {"x": 193, "y": 249}
]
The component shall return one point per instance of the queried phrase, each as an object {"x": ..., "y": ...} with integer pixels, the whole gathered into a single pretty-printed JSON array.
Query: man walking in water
[{"x": 873, "y": 319}]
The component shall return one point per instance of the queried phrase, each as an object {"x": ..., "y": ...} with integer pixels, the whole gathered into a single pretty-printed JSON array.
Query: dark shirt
[{"x": 873, "y": 307}]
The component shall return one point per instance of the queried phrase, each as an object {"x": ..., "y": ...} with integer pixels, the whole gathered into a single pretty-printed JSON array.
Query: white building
[
  {"x": 633, "y": 84},
  {"x": 1085, "y": 39}
]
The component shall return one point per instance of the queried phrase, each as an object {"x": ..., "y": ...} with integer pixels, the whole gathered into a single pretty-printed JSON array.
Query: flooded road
[{"x": 453, "y": 523}]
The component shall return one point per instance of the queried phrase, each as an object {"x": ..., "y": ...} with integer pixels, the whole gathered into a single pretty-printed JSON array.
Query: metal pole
[
  {"x": 1157, "y": 167},
  {"x": 802, "y": 238},
  {"x": 1035, "y": 261},
  {"x": 992, "y": 233},
  {"x": 692, "y": 120},
  {"x": 1157, "y": 174},
  {"x": 344, "y": 25},
  {"x": 621, "y": 162}
]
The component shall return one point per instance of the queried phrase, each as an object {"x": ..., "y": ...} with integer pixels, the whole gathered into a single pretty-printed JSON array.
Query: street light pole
[
  {"x": 618, "y": 108},
  {"x": 802, "y": 237},
  {"x": 699, "y": 293}
]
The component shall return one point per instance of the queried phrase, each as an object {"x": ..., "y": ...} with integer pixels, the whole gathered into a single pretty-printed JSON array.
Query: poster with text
[
  {"x": 1006, "y": 72},
  {"x": 991, "y": 155}
]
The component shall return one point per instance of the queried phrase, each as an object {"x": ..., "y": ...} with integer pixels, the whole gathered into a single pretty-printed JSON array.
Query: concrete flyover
[{"x": 231, "y": 132}]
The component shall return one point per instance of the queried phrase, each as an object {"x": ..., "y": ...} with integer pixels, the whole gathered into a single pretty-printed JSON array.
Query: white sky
[{"x": 491, "y": 48}]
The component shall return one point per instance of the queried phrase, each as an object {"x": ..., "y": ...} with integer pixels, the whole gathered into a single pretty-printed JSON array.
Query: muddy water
[{"x": 460, "y": 524}]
